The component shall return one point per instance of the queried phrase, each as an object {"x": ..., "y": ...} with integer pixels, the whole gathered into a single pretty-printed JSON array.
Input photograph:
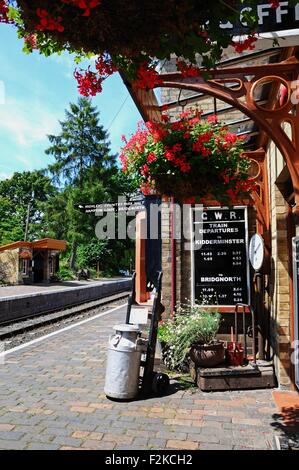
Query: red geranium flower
[
  {"x": 147, "y": 78},
  {"x": 4, "y": 9},
  {"x": 48, "y": 22},
  {"x": 85, "y": 5},
  {"x": 184, "y": 155}
]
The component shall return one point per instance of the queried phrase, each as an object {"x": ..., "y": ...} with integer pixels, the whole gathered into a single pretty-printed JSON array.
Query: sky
[{"x": 34, "y": 93}]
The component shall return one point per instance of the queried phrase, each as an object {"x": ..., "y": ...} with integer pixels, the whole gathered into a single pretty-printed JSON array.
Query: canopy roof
[
  {"x": 151, "y": 103},
  {"x": 44, "y": 244},
  {"x": 255, "y": 94}
]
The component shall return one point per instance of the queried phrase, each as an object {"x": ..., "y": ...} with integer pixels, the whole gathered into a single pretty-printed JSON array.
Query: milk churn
[{"x": 123, "y": 363}]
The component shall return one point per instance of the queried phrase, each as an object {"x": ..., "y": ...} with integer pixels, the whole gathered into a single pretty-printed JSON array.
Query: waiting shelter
[{"x": 25, "y": 262}]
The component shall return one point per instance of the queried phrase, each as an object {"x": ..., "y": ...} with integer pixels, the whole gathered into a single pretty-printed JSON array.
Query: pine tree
[{"x": 82, "y": 161}]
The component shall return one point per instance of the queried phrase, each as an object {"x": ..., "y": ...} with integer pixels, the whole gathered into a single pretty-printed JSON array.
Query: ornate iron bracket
[{"x": 240, "y": 89}]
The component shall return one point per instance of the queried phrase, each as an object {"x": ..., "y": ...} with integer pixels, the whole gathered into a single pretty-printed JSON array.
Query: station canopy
[
  {"x": 44, "y": 244},
  {"x": 268, "y": 95}
]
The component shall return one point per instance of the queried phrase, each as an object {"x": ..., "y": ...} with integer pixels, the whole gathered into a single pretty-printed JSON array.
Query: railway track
[{"x": 18, "y": 332}]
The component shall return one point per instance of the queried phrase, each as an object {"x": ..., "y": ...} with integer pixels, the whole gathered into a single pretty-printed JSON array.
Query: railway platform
[
  {"x": 51, "y": 392},
  {"x": 42, "y": 288},
  {"x": 19, "y": 302}
]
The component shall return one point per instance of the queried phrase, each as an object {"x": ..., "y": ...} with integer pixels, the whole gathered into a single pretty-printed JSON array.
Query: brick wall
[
  {"x": 182, "y": 256},
  {"x": 166, "y": 256},
  {"x": 9, "y": 266},
  {"x": 279, "y": 286}
]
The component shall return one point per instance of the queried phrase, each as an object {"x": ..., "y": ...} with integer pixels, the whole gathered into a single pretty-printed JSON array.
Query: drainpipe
[{"x": 173, "y": 260}]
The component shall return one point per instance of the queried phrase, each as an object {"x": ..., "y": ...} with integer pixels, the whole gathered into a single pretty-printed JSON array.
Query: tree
[
  {"x": 81, "y": 146},
  {"x": 56, "y": 216},
  {"x": 89, "y": 177},
  {"x": 23, "y": 198},
  {"x": 94, "y": 254},
  {"x": 10, "y": 228},
  {"x": 83, "y": 166},
  {"x": 108, "y": 256}
]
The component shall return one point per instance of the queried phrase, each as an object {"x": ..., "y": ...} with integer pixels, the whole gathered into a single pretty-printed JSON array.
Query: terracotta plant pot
[{"x": 207, "y": 355}]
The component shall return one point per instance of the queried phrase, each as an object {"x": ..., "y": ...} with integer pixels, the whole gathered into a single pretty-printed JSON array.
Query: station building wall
[
  {"x": 9, "y": 266},
  {"x": 278, "y": 281},
  {"x": 278, "y": 300},
  {"x": 279, "y": 288}
]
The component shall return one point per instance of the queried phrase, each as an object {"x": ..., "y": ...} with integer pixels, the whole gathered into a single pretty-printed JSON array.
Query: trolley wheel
[{"x": 160, "y": 383}]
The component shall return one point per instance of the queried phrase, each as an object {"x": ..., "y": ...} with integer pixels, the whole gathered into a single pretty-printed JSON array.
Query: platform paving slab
[
  {"x": 22, "y": 290},
  {"x": 51, "y": 397}
]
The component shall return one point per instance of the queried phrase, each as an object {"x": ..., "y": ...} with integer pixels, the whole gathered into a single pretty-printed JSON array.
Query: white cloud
[
  {"x": 67, "y": 61},
  {"x": 2, "y": 92},
  {"x": 25, "y": 161},
  {"x": 4, "y": 176},
  {"x": 27, "y": 124}
]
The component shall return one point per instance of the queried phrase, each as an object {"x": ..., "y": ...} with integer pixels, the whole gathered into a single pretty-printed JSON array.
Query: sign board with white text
[
  {"x": 284, "y": 17},
  {"x": 220, "y": 256}
]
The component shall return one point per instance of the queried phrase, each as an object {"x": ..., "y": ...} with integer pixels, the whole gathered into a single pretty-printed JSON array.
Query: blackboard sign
[
  {"x": 284, "y": 17},
  {"x": 296, "y": 307},
  {"x": 153, "y": 245},
  {"x": 220, "y": 255}
]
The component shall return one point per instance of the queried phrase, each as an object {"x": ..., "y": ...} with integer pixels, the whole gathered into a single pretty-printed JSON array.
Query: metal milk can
[{"x": 123, "y": 363}]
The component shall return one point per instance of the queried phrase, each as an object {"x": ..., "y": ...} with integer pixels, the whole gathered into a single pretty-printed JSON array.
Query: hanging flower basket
[
  {"x": 152, "y": 28},
  {"x": 188, "y": 158},
  {"x": 184, "y": 188},
  {"x": 132, "y": 36}
]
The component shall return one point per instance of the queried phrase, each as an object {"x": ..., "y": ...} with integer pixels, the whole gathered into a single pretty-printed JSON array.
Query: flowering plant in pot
[
  {"x": 191, "y": 334},
  {"x": 190, "y": 157}
]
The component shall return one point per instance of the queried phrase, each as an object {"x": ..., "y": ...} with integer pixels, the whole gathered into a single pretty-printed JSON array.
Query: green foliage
[
  {"x": 93, "y": 253},
  {"x": 190, "y": 157},
  {"x": 10, "y": 228},
  {"x": 93, "y": 273},
  {"x": 84, "y": 172},
  {"x": 137, "y": 33},
  {"x": 81, "y": 150},
  {"x": 191, "y": 325},
  {"x": 32, "y": 189},
  {"x": 106, "y": 256},
  {"x": 56, "y": 216},
  {"x": 65, "y": 274}
]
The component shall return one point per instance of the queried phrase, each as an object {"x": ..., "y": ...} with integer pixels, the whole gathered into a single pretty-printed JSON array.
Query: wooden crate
[{"x": 246, "y": 377}]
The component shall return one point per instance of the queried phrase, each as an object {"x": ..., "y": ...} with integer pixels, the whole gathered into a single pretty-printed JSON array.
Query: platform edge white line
[{"x": 61, "y": 330}]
